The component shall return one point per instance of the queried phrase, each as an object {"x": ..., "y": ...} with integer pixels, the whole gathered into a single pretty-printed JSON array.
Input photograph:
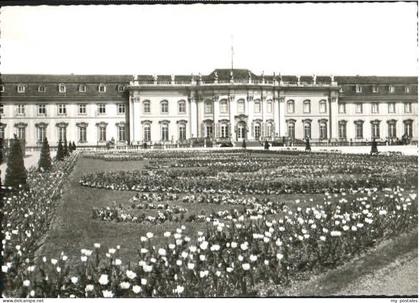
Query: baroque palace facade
[{"x": 226, "y": 105}]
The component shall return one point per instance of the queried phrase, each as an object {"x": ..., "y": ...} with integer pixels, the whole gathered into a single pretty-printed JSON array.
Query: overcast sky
[{"x": 345, "y": 39}]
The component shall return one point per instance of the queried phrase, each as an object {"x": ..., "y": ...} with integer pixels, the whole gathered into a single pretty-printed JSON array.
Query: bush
[
  {"x": 244, "y": 144},
  {"x": 266, "y": 145},
  {"x": 60, "y": 152},
  {"x": 44, "y": 163},
  {"x": 65, "y": 149},
  {"x": 15, "y": 173},
  {"x": 307, "y": 145}
]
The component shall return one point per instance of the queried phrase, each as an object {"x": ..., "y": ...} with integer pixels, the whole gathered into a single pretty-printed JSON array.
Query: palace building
[{"x": 224, "y": 106}]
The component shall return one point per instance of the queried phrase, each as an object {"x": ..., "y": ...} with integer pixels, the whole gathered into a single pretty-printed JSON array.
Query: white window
[
  {"x": 307, "y": 129},
  {"x": 359, "y": 129},
  {"x": 269, "y": 107},
  {"x": 102, "y": 88},
  {"x": 61, "y": 133},
  {"x": 146, "y": 132},
  {"x": 42, "y": 109},
  {"x": 342, "y": 108},
  {"x": 257, "y": 107},
  {"x": 209, "y": 131},
  {"x": 257, "y": 131},
  {"x": 358, "y": 88},
  {"x": 21, "y": 88},
  {"x": 61, "y": 88},
  {"x": 323, "y": 130},
  {"x": 61, "y": 109},
  {"x": 182, "y": 107},
  {"x": 101, "y": 109},
  {"x": 322, "y": 106},
  {"x": 20, "y": 109},
  {"x": 241, "y": 106},
  {"x": 407, "y": 89},
  {"x": 391, "y": 108},
  {"x": 291, "y": 130},
  {"x": 121, "y": 109},
  {"x": 374, "y": 108},
  {"x": 121, "y": 133},
  {"x": 182, "y": 131},
  {"x": 375, "y": 130},
  {"x": 82, "y": 134},
  {"x": 82, "y": 88},
  {"x": 146, "y": 106},
  {"x": 307, "y": 106},
  {"x": 224, "y": 131},
  {"x": 375, "y": 89},
  {"x": 82, "y": 109},
  {"x": 359, "y": 108},
  {"x": 391, "y": 89},
  {"x": 408, "y": 128},
  {"x": 342, "y": 129},
  {"x": 21, "y": 133},
  {"x": 41, "y": 132},
  {"x": 102, "y": 133},
  {"x": 407, "y": 108},
  {"x": 392, "y": 129},
  {"x": 120, "y": 88},
  {"x": 223, "y": 107},
  {"x": 164, "y": 108},
  {"x": 208, "y": 107},
  {"x": 164, "y": 132},
  {"x": 1, "y": 88},
  {"x": 42, "y": 89},
  {"x": 290, "y": 106}
]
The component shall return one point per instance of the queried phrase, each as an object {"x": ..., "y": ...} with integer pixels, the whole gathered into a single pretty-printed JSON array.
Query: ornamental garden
[{"x": 198, "y": 223}]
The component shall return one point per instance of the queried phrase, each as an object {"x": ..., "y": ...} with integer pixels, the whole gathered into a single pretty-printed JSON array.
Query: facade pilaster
[
  {"x": 131, "y": 117},
  {"x": 216, "y": 112},
  {"x": 276, "y": 112},
  {"x": 282, "y": 116},
  {"x": 232, "y": 110},
  {"x": 193, "y": 110},
  {"x": 250, "y": 111}
]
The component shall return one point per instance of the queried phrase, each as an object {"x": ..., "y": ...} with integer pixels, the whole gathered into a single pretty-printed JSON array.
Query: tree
[
  {"x": 65, "y": 149},
  {"x": 244, "y": 144},
  {"x": 44, "y": 163},
  {"x": 70, "y": 148},
  {"x": 266, "y": 145},
  {"x": 307, "y": 145},
  {"x": 16, "y": 173},
  {"x": 74, "y": 146},
  {"x": 60, "y": 152},
  {"x": 374, "y": 148}
]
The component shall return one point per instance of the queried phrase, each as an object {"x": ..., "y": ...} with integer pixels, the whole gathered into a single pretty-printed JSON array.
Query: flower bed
[{"x": 228, "y": 258}]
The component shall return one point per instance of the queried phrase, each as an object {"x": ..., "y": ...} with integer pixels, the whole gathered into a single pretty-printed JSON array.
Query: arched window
[
  {"x": 61, "y": 88},
  {"x": 146, "y": 132},
  {"x": 307, "y": 129},
  {"x": 290, "y": 106},
  {"x": 257, "y": 131},
  {"x": 392, "y": 128},
  {"x": 21, "y": 88},
  {"x": 208, "y": 107},
  {"x": 270, "y": 129},
  {"x": 164, "y": 131},
  {"x": 257, "y": 106},
  {"x": 291, "y": 129},
  {"x": 82, "y": 88},
  {"x": 376, "y": 129},
  {"x": 182, "y": 132},
  {"x": 241, "y": 106},
  {"x": 102, "y": 88},
  {"x": 322, "y": 106},
  {"x": 181, "y": 107},
  {"x": 359, "y": 129},
  {"x": 164, "y": 107},
  {"x": 323, "y": 130},
  {"x": 342, "y": 129},
  {"x": 223, "y": 106},
  {"x": 224, "y": 130},
  {"x": 307, "y": 106},
  {"x": 146, "y": 106},
  {"x": 408, "y": 128}
]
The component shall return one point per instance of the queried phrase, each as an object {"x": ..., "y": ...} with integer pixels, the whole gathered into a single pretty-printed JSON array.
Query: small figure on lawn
[
  {"x": 243, "y": 144},
  {"x": 307, "y": 144},
  {"x": 374, "y": 148},
  {"x": 266, "y": 145}
]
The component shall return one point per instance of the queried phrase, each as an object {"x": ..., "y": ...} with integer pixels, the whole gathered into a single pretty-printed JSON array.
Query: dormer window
[
  {"x": 1, "y": 88},
  {"x": 391, "y": 89},
  {"x": 102, "y": 88},
  {"x": 375, "y": 89},
  {"x": 120, "y": 88},
  {"x": 358, "y": 88},
  {"x": 82, "y": 88},
  {"x": 407, "y": 89},
  {"x": 61, "y": 88},
  {"x": 21, "y": 88},
  {"x": 42, "y": 89}
]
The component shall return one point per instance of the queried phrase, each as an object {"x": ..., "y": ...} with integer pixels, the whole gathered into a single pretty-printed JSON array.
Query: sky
[{"x": 304, "y": 39}]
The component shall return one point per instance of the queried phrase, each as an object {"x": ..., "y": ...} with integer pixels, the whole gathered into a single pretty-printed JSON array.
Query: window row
[
  {"x": 41, "y": 109},
  {"x": 374, "y": 108},
  {"x": 164, "y": 107},
  {"x": 307, "y": 130},
  {"x": 306, "y": 106},
  {"x": 375, "y": 129},
  {"x": 62, "y": 88},
  {"x": 375, "y": 88}
]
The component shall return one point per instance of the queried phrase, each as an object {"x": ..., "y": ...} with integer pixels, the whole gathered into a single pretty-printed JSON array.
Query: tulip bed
[{"x": 226, "y": 240}]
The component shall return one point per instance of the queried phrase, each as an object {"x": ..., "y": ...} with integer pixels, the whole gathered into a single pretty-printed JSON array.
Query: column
[
  {"x": 333, "y": 112},
  {"x": 264, "y": 123},
  {"x": 276, "y": 115},
  {"x": 250, "y": 111},
  {"x": 135, "y": 121},
  {"x": 232, "y": 109},
  {"x": 131, "y": 117},
  {"x": 282, "y": 119},
  {"x": 193, "y": 118},
  {"x": 215, "y": 115}
]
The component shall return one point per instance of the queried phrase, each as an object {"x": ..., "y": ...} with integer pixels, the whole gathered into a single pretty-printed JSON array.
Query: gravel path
[{"x": 398, "y": 278}]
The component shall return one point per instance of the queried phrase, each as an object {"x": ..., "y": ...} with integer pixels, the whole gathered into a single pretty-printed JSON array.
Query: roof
[
  {"x": 68, "y": 78},
  {"x": 375, "y": 80}
]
